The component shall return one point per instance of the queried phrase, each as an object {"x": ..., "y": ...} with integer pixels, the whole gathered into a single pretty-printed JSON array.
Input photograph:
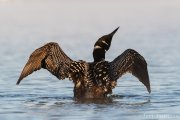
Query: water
[{"x": 150, "y": 27}]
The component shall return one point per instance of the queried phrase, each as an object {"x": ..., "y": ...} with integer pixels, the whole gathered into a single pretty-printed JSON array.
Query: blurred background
[
  {"x": 150, "y": 27},
  {"x": 31, "y": 23}
]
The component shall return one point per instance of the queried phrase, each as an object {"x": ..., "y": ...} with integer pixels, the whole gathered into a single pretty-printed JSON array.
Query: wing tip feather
[{"x": 18, "y": 82}]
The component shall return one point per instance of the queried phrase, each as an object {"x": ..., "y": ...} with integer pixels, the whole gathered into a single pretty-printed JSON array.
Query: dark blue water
[{"x": 150, "y": 27}]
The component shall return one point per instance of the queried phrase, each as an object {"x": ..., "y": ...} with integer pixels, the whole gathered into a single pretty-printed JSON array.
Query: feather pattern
[
  {"x": 50, "y": 57},
  {"x": 132, "y": 62}
]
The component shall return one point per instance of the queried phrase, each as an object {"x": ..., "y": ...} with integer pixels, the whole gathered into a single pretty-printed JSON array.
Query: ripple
[{"x": 41, "y": 96}]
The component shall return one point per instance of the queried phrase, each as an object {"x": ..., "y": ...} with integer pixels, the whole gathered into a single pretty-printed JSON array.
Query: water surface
[{"x": 150, "y": 27}]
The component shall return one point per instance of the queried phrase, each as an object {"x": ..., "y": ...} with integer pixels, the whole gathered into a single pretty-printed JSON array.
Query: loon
[{"x": 91, "y": 79}]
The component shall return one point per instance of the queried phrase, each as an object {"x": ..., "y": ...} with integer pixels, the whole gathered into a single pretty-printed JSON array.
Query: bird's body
[
  {"x": 95, "y": 80},
  {"x": 91, "y": 79}
]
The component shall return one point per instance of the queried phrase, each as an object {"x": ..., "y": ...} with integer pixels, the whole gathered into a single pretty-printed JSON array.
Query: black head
[{"x": 102, "y": 45}]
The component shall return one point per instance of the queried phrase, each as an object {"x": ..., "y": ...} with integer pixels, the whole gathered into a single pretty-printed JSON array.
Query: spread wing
[
  {"x": 132, "y": 62},
  {"x": 50, "y": 57}
]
